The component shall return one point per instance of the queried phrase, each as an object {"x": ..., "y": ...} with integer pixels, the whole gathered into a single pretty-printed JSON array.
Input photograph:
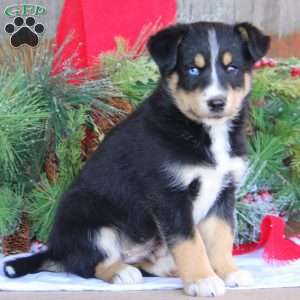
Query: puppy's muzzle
[{"x": 217, "y": 104}]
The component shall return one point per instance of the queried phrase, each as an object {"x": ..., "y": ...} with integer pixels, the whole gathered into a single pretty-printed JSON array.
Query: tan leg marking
[
  {"x": 244, "y": 33},
  {"x": 191, "y": 259},
  {"x": 218, "y": 238},
  {"x": 162, "y": 266},
  {"x": 106, "y": 273}
]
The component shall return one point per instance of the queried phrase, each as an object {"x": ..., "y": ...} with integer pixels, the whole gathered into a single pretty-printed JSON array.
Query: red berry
[
  {"x": 266, "y": 196},
  {"x": 258, "y": 65},
  {"x": 248, "y": 198},
  {"x": 272, "y": 63},
  {"x": 295, "y": 71},
  {"x": 264, "y": 61}
]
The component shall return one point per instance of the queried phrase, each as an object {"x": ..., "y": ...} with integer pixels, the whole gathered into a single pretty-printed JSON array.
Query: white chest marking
[{"x": 211, "y": 178}]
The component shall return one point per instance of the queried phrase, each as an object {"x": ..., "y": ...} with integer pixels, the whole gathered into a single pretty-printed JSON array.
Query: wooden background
[{"x": 280, "y": 18}]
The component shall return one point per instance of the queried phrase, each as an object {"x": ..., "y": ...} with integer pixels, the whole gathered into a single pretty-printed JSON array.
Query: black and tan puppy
[{"x": 158, "y": 194}]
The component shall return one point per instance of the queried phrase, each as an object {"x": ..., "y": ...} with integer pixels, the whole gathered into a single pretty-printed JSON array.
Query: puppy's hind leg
[{"x": 113, "y": 269}]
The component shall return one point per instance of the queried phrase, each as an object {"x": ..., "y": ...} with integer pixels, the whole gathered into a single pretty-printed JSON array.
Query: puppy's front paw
[
  {"x": 239, "y": 278},
  {"x": 206, "y": 287},
  {"x": 128, "y": 275}
]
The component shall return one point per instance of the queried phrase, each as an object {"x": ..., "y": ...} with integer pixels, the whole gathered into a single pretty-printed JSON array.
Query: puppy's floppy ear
[
  {"x": 256, "y": 42},
  {"x": 163, "y": 46}
]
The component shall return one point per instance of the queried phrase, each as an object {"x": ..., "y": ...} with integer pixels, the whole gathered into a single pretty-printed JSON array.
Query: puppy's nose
[{"x": 216, "y": 104}]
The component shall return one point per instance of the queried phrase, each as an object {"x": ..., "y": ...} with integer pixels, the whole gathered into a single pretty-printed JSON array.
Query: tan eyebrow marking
[
  {"x": 227, "y": 58},
  {"x": 244, "y": 33},
  {"x": 200, "y": 61}
]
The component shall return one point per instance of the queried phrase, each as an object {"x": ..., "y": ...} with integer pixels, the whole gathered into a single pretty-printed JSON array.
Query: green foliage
[
  {"x": 22, "y": 120},
  {"x": 276, "y": 81},
  {"x": 278, "y": 117},
  {"x": 69, "y": 149},
  {"x": 135, "y": 76},
  {"x": 274, "y": 149},
  {"x": 295, "y": 153},
  {"x": 264, "y": 171},
  {"x": 45, "y": 196},
  {"x": 11, "y": 205},
  {"x": 40, "y": 100},
  {"x": 43, "y": 206},
  {"x": 57, "y": 83}
]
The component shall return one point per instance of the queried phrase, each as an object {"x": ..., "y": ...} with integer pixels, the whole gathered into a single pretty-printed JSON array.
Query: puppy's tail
[{"x": 26, "y": 265}]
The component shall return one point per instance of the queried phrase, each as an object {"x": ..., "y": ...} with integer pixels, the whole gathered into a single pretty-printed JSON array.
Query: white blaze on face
[{"x": 214, "y": 90}]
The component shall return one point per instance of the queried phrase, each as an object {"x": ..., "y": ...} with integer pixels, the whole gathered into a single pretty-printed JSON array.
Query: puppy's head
[{"x": 207, "y": 66}]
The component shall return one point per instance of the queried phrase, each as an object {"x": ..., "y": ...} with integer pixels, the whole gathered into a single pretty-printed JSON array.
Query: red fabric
[
  {"x": 276, "y": 247},
  {"x": 71, "y": 25},
  {"x": 95, "y": 24}
]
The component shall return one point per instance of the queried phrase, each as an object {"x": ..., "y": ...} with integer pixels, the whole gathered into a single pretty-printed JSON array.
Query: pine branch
[
  {"x": 272, "y": 150},
  {"x": 22, "y": 118},
  {"x": 11, "y": 205},
  {"x": 134, "y": 75},
  {"x": 45, "y": 196}
]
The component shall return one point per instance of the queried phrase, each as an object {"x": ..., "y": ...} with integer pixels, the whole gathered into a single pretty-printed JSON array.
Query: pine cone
[
  {"x": 105, "y": 124},
  {"x": 260, "y": 103},
  {"x": 19, "y": 241},
  {"x": 51, "y": 166},
  {"x": 90, "y": 142},
  {"x": 249, "y": 130}
]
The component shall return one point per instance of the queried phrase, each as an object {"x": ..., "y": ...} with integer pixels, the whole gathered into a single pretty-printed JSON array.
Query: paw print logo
[{"x": 27, "y": 32}]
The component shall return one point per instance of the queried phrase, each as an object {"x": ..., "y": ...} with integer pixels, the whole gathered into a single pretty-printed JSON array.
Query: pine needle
[
  {"x": 45, "y": 196},
  {"x": 11, "y": 205}
]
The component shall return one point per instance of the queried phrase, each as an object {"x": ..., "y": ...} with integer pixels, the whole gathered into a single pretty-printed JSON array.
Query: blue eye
[
  {"x": 193, "y": 71},
  {"x": 232, "y": 69}
]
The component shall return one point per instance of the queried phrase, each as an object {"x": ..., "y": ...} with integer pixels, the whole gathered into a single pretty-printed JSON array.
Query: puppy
[{"x": 158, "y": 194}]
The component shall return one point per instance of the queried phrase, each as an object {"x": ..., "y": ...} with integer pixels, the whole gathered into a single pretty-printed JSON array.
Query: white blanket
[{"x": 266, "y": 276}]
